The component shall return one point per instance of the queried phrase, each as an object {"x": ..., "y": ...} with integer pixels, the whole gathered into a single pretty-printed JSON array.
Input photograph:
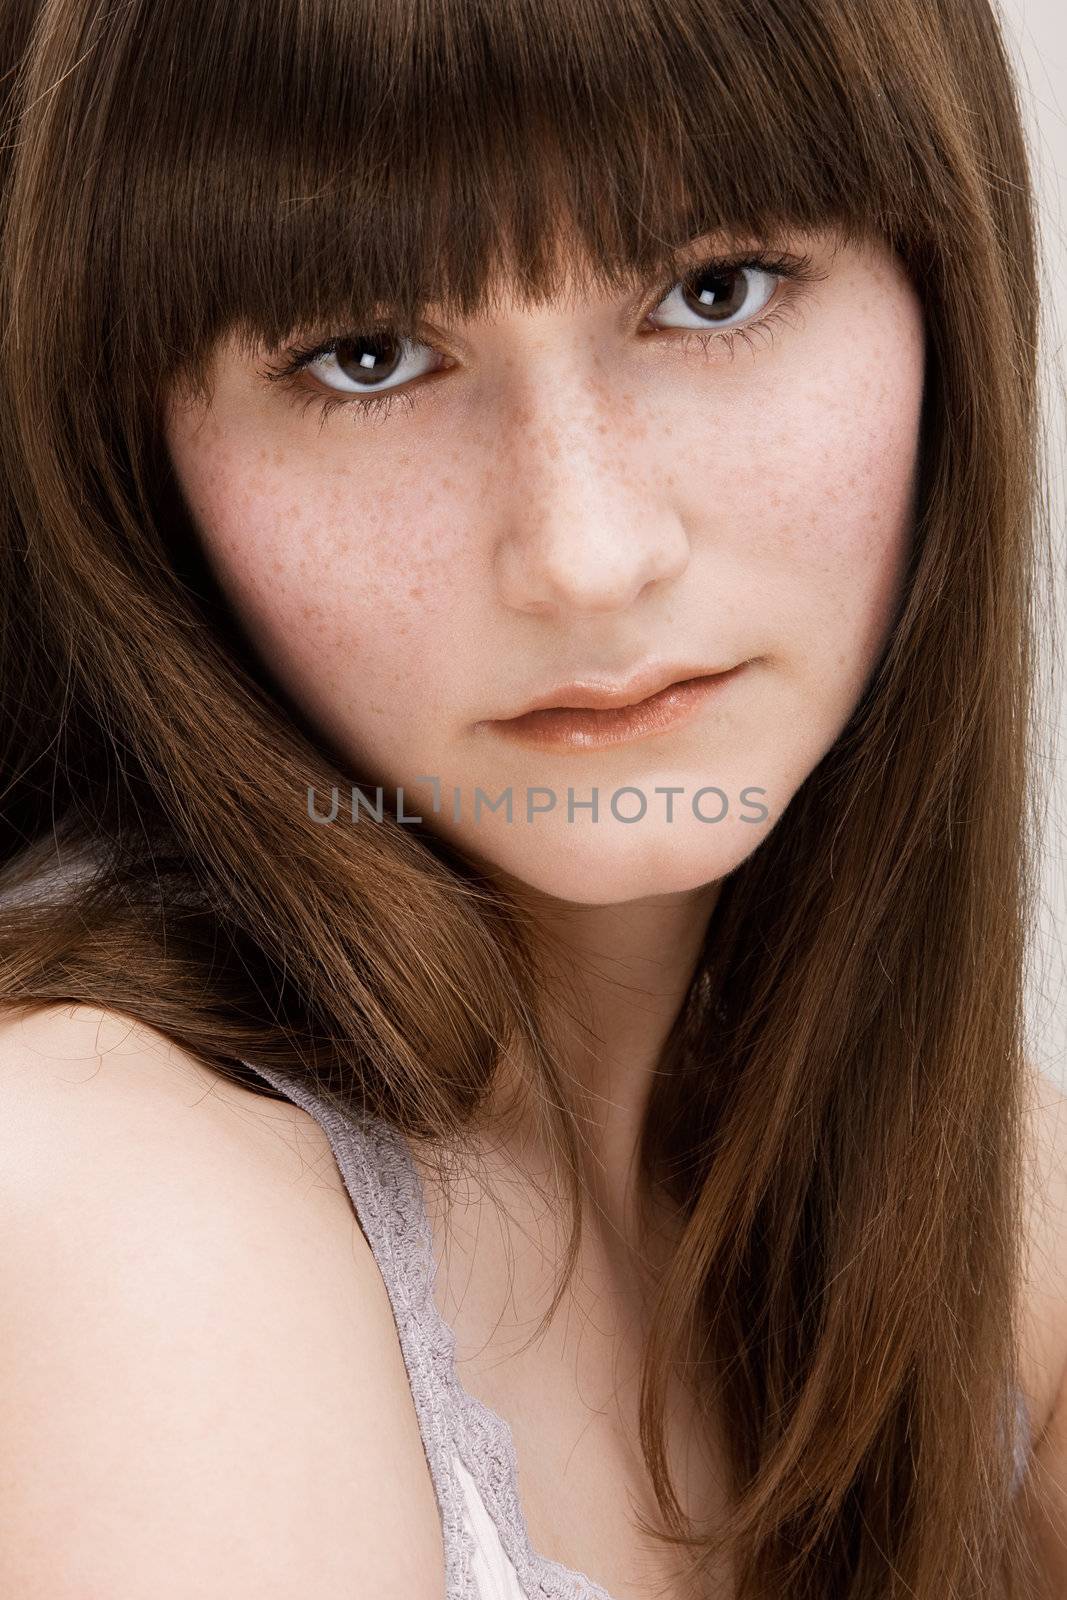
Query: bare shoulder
[
  {"x": 200, "y": 1378},
  {"x": 1043, "y": 1358},
  {"x": 64, "y": 1067}
]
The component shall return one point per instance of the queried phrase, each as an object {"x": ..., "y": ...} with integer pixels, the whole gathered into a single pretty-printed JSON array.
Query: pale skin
[
  {"x": 581, "y": 492},
  {"x": 215, "y": 1401}
]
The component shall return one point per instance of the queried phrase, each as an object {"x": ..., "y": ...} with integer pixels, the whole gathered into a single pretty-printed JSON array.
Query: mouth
[{"x": 595, "y": 727}]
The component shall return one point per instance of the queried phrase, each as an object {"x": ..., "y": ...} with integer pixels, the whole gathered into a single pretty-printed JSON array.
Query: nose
[{"x": 589, "y": 525}]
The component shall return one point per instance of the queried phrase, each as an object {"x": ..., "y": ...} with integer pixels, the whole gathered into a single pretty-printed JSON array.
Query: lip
[
  {"x": 618, "y": 717},
  {"x": 601, "y": 695}
]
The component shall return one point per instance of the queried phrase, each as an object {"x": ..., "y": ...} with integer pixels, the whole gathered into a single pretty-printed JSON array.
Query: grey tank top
[{"x": 469, "y": 1448}]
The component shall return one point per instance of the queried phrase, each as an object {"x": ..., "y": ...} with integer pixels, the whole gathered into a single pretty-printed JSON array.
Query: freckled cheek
[
  {"x": 337, "y": 583},
  {"x": 836, "y": 518}
]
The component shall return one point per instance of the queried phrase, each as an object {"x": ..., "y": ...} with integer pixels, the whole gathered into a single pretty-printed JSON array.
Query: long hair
[{"x": 839, "y": 1114}]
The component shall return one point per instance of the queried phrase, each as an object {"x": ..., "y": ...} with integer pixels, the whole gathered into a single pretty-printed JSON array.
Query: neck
[{"x": 618, "y": 976}]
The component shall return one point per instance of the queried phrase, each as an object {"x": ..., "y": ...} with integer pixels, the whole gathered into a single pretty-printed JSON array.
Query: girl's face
[{"x": 670, "y": 483}]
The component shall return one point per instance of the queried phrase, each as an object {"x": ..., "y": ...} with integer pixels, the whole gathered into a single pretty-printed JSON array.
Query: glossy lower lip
[{"x": 582, "y": 728}]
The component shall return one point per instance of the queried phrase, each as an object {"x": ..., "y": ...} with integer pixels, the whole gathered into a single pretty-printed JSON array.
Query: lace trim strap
[{"x": 386, "y": 1189}]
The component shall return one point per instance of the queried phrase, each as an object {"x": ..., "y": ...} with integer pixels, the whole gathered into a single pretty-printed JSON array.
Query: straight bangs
[{"x": 344, "y": 162}]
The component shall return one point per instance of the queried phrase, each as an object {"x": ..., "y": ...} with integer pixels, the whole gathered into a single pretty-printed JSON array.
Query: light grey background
[{"x": 1036, "y": 32}]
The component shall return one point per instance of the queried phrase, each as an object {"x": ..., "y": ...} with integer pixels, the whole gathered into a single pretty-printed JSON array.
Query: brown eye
[
  {"x": 718, "y": 295},
  {"x": 366, "y": 361},
  {"x": 368, "y": 358}
]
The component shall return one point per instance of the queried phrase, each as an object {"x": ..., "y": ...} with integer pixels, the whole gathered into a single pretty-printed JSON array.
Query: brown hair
[{"x": 841, "y": 1108}]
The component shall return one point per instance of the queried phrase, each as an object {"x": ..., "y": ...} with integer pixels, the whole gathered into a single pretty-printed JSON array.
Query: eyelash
[{"x": 794, "y": 269}]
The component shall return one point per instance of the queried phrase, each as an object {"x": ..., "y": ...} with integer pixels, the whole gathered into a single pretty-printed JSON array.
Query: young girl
[{"x": 520, "y": 555}]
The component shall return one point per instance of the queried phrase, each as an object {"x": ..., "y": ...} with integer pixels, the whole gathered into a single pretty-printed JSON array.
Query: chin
[{"x": 608, "y": 862}]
